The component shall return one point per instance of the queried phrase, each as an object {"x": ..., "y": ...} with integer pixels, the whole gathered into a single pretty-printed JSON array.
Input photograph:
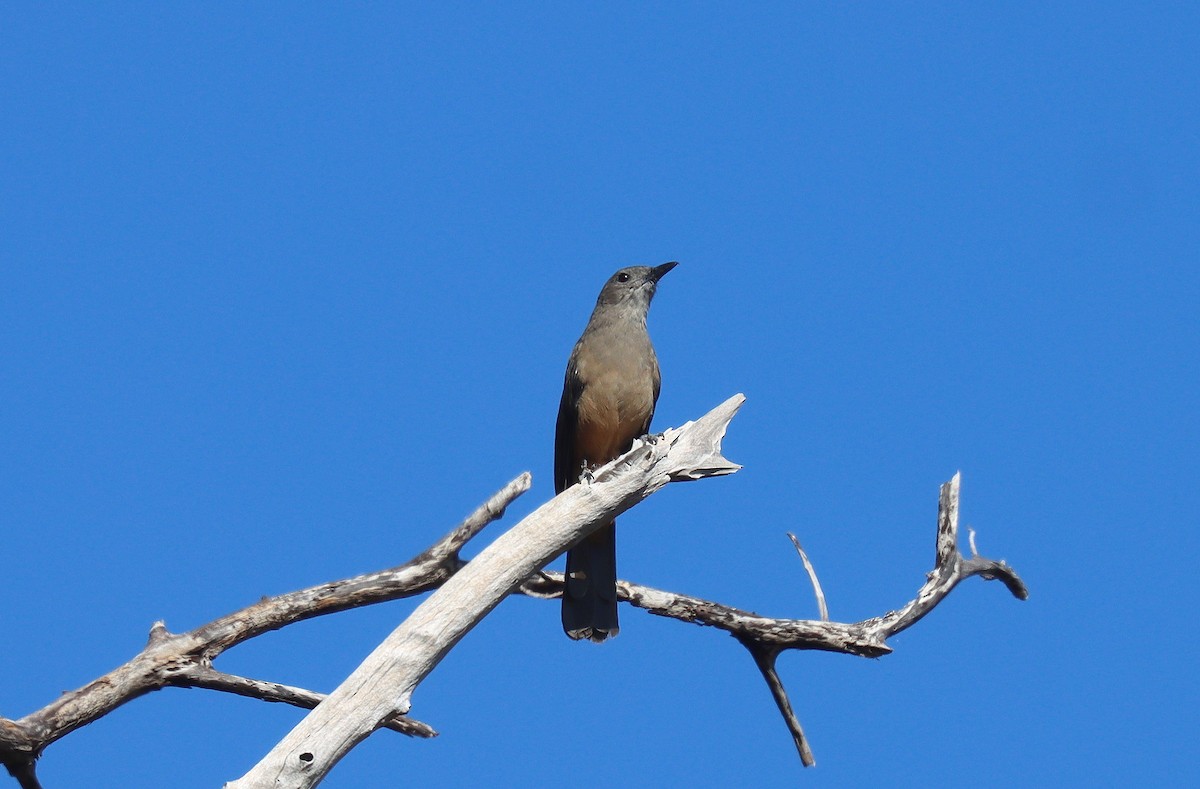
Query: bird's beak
[{"x": 657, "y": 272}]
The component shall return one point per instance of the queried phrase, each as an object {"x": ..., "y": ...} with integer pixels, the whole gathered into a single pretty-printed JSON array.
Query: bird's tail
[{"x": 589, "y": 608}]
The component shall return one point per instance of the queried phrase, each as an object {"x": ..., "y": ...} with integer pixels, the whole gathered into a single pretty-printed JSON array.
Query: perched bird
[{"x": 608, "y": 399}]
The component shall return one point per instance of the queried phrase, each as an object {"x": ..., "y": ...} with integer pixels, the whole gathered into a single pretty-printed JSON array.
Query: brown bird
[{"x": 608, "y": 399}]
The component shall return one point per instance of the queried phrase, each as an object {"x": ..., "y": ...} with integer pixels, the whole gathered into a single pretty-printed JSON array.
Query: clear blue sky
[{"x": 288, "y": 289}]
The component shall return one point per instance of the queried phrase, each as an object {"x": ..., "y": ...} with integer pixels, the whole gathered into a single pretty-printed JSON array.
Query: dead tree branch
[
  {"x": 383, "y": 684},
  {"x": 466, "y": 593},
  {"x": 812, "y": 576},
  {"x": 185, "y": 659},
  {"x": 765, "y": 638},
  {"x": 198, "y": 676},
  {"x": 764, "y": 658}
]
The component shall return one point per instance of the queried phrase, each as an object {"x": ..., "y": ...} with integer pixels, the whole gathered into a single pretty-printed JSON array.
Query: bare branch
[
  {"x": 204, "y": 677},
  {"x": 949, "y": 570},
  {"x": 491, "y": 510},
  {"x": 383, "y": 684},
  {"x": 176, "y": 660},
  {"x": 812, "y": 576},
  {"x": 765, "y": 660},
  {"x": 467, "y": 593},
  {"x": 424, "y": 572},
  {"x": 765, "y": 637},
  {"x": 850, "y": 639}
]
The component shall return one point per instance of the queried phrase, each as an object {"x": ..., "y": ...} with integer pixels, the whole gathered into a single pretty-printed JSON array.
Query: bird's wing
[{"x": 564, "y": 433}]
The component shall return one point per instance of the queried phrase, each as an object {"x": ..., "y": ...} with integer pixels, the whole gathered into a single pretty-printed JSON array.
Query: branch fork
[{"x": 378, "y": 693}]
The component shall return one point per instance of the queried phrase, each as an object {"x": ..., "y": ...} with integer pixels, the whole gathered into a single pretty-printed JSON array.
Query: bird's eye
[{"x": 622, "y": 277}]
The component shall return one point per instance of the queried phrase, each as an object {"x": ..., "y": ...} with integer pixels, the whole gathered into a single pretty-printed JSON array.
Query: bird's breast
[{"x": 619, "y": 377}]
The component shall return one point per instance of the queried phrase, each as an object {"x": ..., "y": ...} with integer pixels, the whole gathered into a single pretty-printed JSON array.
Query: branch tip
[
  {"x": 158, "y": 633},
  {"x": 812, "y": 576},
  {"x": 764, "y": 658},
  {"x": 183, "y": 660},
  {"x": 490, "y": 511}
]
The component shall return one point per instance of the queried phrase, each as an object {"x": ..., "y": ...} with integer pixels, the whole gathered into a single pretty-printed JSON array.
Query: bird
[{"x": 609, "y": 393}]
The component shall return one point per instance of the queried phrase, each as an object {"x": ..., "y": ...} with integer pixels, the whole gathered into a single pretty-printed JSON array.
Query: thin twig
[
  {"x": 384, "y": 682},
  {"x": 168, "y": 657},
  {"x": 765, "y": 660},
  {"x": 812, "y": 576},
  {"x": 765, "y": 637},
  {"x": 204, "y": 677},
  {"x": 491, "y": 510},
  {"x": 183, "y": 659}
]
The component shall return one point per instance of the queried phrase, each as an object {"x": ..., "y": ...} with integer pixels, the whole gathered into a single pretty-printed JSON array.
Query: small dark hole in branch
[{"x": 306, "y": 757}]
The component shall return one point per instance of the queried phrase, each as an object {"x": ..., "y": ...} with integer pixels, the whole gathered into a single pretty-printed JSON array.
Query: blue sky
[{"x": 288, "y": 290}]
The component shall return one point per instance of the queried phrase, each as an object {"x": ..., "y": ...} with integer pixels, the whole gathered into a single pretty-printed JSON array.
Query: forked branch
[
  {"x": 185, "y": 659},
  {"x": 466, "y": 592},
  {"x": 383, "y": 684},
  {"x": 766, "y": 638}
]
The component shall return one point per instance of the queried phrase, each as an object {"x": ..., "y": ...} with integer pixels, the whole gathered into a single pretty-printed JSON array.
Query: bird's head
[{"x": 633, "y": 285}]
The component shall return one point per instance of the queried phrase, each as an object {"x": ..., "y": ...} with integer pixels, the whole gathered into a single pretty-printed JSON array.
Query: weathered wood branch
[
  {"x": 689, "y": 452},
  {"x": 765, "y": 637},
  {"x": 764, "y": 658},
  {"x": 184, "y": 659},
  {"x": 199, "y": 676},
  {"x": 812, "y": 576},
  {"x": 383, "y": 684}
]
